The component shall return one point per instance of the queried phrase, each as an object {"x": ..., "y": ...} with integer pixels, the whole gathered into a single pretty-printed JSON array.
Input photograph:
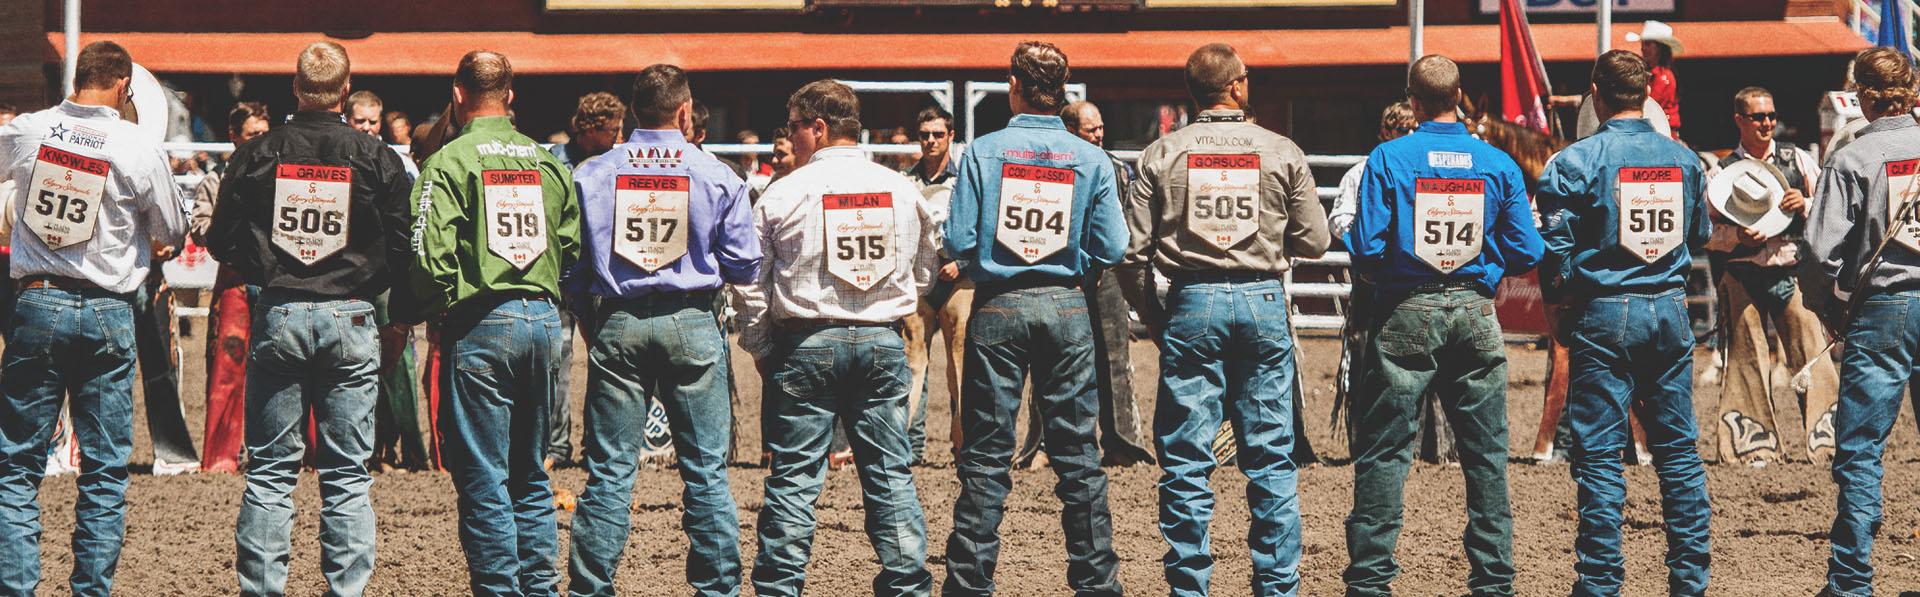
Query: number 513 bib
[{"x": 63, "y": 199}]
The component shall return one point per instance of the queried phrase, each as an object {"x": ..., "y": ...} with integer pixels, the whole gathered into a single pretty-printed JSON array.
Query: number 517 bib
[
  {"x": 1447, "y": 218},
  {"x": 516, "y": 215}
]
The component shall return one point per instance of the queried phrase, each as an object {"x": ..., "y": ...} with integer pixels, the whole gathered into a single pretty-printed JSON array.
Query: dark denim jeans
[
  {"x": 1447, "y": 340},
  {"x": 1876, "y": 365},
  {"x": 321, "y": 356},
  {"x": 667, "y": 346},
  {"x": 1227, "y": 354},
  {"x": 1044, "y": 332},
  {"x": 816, "y": 377},
  {"x": 498, "y": 378},
  {"x": 78, "y": 346},
  {"x": 1635, "y": 351}
]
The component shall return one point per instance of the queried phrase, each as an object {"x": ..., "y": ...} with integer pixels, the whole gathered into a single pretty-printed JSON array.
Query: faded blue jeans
[
  {"x": 1227, "y": 354},
  {"x": 78, "y": 346},
  {"x": 1635, "y": 351},
  {"x": 817, "y": 376},
  {"x": 321, "y": 354},
  {"x": 1043, "y": 331},
  {"x": 498, "y": 378},
  {"x": 1875, "y": 366},
  {"x": 664, "y": 345}
]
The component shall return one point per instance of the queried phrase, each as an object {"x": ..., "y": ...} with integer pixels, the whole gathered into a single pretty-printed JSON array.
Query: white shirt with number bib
[
  {"x": 845, "y": 239},
  {"x": 91, "y": 197}
]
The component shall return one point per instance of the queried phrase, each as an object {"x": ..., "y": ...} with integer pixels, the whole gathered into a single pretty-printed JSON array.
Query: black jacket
[{"x": 377, "y": 224}]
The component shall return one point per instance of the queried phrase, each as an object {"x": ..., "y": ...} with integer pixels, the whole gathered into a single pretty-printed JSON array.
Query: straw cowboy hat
[
  {"x": 1656, "y": 31},
  {"x": 1749, "y": 193}
]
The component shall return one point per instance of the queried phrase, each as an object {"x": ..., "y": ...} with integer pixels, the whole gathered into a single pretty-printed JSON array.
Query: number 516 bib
[
  {"x": 310, "y": 210},
  {"x": 1033, "y": 210},
  {"x": 516, "y": 215},
  {"x": 1651, "y": 222},
  {"x": 63, "y": 200},
  {"x": 1448, "y": 215}
]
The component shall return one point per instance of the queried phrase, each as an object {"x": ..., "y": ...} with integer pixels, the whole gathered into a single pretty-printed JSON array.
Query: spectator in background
[
  {"x": 1659, "y": 46},
  {"x": 595, "y": 128},
  {"x": 228, "y": 316},
  {"x": 363, "y": 111},
  {"x": 698, "y": 134},
  {"x": 781, "y": 160},
  {"x": 935, "y": 165},
  {"x": 397, "y": 441},
  {"x": 396, "y": 128},
  {"x": 7, "y": 112},
  {"x": 946, "y": 307},
  {"x": 750, "y": 163},
  {"x": 901, "y": 161}
]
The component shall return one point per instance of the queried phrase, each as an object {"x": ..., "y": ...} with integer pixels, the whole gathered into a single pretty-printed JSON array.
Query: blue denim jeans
[
  {"x": 321, "y": 354},
  {"x": 1635, "y": 351},
  {"x": 1227, "y": 354},
  {"x": 1876, "y": 364},
  {"x": 1044, "y": 332},
  {"x": 78, "y": 346},
  {"x": 498, "y": 378},
  {"x": 667, "y": 346},
  {"x": 1447, "y": 341},
  {"x": 816, "y": 376}
]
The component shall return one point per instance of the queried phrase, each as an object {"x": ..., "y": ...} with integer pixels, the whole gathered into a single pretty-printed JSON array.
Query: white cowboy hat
[
  {"x": 1589, "y": 122},
  {"x": 1748, "y": 192},
  {"x": 1656, "y": 31}
]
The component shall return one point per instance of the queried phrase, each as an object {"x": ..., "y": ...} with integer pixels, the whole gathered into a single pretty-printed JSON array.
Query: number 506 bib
[
  {"x": 63, "y": 200},
  {"x": 1448, "y": 214},
  {"x": 310, "y": 210},
  {"x": 1033, "y": 210},
  {"x": 516, "y": 215},
  {"x": 1651, "y": 222}
]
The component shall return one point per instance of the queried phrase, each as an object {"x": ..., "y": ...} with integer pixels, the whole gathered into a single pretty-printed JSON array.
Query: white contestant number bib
[
  {"x": 1899, "y": 179},
  {"x": 859, "y": 231},
  {"x": 652, "y": 216},
  {"x": 516, "y": 215},
  {"x": 1448, "y": 216},
  {"x": 310, "y": 210},
  {"x": 1033, "y": 210},
  {"x": 63, "y": 200},
  {"x": 1223, "y": 198},
  {"x": 1651, "y": 222}
]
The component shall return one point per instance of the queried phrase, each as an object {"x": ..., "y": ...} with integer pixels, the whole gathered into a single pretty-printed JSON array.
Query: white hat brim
[{"x": 1720, "y": 192}]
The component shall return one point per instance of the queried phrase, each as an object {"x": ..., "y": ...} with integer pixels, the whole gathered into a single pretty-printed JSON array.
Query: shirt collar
[
  {"x": 1444, "y": 128},
  {"x": 836, "y": 152},
  {"x": 1626, "y": 125},
  {"x": 1221, "y": 116},
  {"x": 1886, "y": 123},
  {"x": 86, "y": 111},
  {"x": 489, "y": 123},
  {"x": 658, "y": 136},
  {"x": 1741, "y": 150},
  {"x": 322, "y": 116},
  {"x": 1036, "y": 121}
]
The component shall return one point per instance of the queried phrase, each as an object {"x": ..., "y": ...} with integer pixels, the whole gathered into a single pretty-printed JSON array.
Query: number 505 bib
[
  {"x": 1033, "y": 210},
  {"x": 63, "y": 200},
  {"x": 1651, "y": 222},
  {"x": 1447, "y": 218},
  {"x": 1223, "y": 198},
  {"x": 516, "y": 215}
]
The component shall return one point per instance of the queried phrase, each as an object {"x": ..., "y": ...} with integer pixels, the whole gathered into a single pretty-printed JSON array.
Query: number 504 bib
[
  {"x": 516, "y": 215},
  {"x": 1651, "y": 222},
  {"x": 1448, "y": 215},
  {"x": 1033, "y": 210},
  {"x": 310, "y": 210},
  {"x": 63, "y": 200}
]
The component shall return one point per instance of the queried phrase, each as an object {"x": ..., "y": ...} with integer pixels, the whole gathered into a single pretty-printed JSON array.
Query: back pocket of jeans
[
  {"x": 803, "y": 372},
  {"x": 1405, "y": 332},
  {"x": 1881, "y": 324}
]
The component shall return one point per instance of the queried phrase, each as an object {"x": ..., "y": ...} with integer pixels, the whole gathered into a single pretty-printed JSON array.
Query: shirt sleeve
[
  {"x": 963, "y": 213},
  {"x": 1372, "y": 219},
  {"x": 926, "y": 258},
  {"x": 1558, "y": 192},
  {"x": 1830, "y": 228},
  {"x": 1106, "y": 230},
  {"x": 1699, "y": 229},
  {"x": 1306, "y": 218},
  {"x": 738, "y": 248},
  {"x": 395, "y": 216},
  {"x": 566, "y": 232},
  {"x": 204, "y": 194},
  {"x": 1341, "y": 220},
  {"x": 166, "y": 213},
  {"x": 1143, "y": 210},
  {"x": 439, "y": 214},
  {"x": 1520, "y": 243},
  {"x": 224, "y": 218},
  {"x": 755, "y": 336}
]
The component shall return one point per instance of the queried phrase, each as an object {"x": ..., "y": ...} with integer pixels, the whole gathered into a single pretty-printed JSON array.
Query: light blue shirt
[{"x": 1034, "y": 148}]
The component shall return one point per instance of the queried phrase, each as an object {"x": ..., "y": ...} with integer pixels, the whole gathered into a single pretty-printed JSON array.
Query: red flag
[{"x": 1523, "y": 78}]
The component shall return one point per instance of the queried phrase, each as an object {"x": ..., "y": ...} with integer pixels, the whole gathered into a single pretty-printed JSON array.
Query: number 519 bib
[
  {"x": 1448, "y": 215},
  {"x": 63, "y": 200},
  {"x": 1651, "y": 222},
  {"x": 1033, "y": 210},
  {"x": 516, "y": 215},
  {"x": 310, "y": 210}
]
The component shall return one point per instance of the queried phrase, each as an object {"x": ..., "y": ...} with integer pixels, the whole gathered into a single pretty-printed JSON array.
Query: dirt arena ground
[{"x": 1770, "y": 524}]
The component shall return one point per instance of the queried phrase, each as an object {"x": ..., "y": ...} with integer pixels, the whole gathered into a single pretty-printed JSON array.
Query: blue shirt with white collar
[
  {"x": 1384, "y": 233},
  {"x": 1037, "y": 150}
]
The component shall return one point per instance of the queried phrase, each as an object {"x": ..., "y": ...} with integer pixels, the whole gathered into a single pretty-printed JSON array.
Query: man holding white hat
[
  {"x": 1759, "y": 199},
  {"x": 1659, "y": 46}
]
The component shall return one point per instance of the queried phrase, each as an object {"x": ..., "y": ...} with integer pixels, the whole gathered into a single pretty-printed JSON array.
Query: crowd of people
[{"x": 1026, "y": 250}]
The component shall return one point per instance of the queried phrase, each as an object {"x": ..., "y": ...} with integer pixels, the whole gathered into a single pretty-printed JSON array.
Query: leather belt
[
  {"x": 1220, "y": 275},
  {"x": 56, "y": 283},
  {"x": 815, "y": 324}
]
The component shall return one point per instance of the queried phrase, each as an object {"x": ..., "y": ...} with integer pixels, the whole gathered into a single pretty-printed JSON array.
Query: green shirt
[{"x": 496, "y": 214}]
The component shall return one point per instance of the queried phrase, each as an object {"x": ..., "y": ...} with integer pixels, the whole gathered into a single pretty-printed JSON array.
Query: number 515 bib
[
  {"x": 859, "y": 231},
  {"x": 516, "y": 215},
  {"x": 63, "y": 199},
  {"x": 1447, "y": 218}
]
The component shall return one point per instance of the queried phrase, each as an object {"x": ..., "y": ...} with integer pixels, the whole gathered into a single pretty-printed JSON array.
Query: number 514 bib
[
  {"x": 516, "y": 215},
  {"x": 1448, "y": 215},
  {"x": 63, "y": 200}
]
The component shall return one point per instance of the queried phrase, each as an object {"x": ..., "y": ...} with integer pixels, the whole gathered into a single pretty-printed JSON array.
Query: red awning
[{"x": 541, "y": 53}]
